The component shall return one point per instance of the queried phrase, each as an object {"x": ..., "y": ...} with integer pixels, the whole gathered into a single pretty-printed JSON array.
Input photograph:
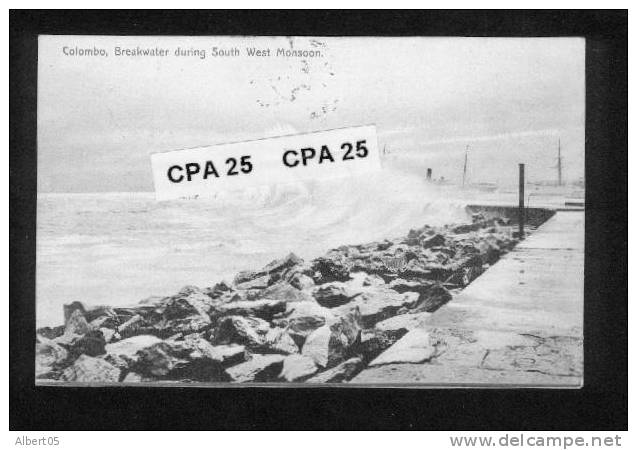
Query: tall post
[
  {"x": 521, "y": 214},
  {"x": 464, "y": 170},
  {"x": 429, "y": 174}
]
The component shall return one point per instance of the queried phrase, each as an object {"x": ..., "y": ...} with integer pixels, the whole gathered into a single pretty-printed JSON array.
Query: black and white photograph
[
  {"x": 294, "y": 209},
  {"x": 318, "y": 220}
]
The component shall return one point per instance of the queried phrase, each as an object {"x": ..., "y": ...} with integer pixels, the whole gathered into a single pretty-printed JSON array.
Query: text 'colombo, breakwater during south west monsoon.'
[{"x": 203, "y": 52}]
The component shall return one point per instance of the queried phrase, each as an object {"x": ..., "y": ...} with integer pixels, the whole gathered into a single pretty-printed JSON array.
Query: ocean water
[{"x": 119, "y": 248}]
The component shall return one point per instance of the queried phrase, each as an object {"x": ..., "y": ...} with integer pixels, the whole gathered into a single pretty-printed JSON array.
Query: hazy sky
[{"x": 99, "y": 118}]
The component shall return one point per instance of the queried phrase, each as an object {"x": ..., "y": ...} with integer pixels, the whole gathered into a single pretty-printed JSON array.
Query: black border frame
[{"x": 601, "y": 405}]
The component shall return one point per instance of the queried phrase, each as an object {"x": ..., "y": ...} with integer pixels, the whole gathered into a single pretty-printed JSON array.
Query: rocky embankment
[{"x": 316, "y": 321}]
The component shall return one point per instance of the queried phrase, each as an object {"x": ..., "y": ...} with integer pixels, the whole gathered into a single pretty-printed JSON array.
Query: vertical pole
[
  {"x": 428, "y": 174},
  {"x": 521, "y": 214},
  {"x": 464, "y": 170}
]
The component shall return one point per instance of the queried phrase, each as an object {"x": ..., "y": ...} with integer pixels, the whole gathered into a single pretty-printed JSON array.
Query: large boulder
[
  {"x": 330, "y": 268},
  {"x": 432, "y": 241},
  {"x": 50, "y": 332},
  {"x": 301, "y": 281},
  {"x": 188, "y": 302},
  {"x": 70, "y": 308},
  {"x": 219, "y": 290},
  {"x": 381, "y": 303},
  {"x": 133, "y": 326},
  {"x": 194, "y": 346},
  {"x": 343, "y": 372},
  {"x": 261, "y": 368},
  {"x": 432, "y": 299},
  {"x": 258, "y": 282},
  {"x": 278, "y": 266},
  {"x": 158, "y": 360},
  {"x": 123, "y": 354},
  {"x": 297, "y": 368},
  {"x": 374, "y": 342},
  {"x": 91, "y": 344},
  {"x": 265, "y": 309},
  {"x": 76, "y": 323},
  {"x": 333, "y": 295},
  {"x": 278, "y": 340},
  {"x": 331, "y": 344},
  {"x": 284, "y": 292},
  {"x": 87, "y": 369},
  {"x": 248, "y": 331},
  {"x": 415, "y": 347},
  {"x": 49, "y": 358},
  {"x": 255, "y": 334},
  {"x": 305, "y": 317},
  {"x": 268, "y": 275}
]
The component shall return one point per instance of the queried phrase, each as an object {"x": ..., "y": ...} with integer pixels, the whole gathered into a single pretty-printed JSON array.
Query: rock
[
  {"x": 329, "y": 269},
  {"x": 70, "y": 308},
  {"x": 330, "y": 344},
  {"x": 87, "y": 369},
  {"x": 279, "y": 265},
  {"x": 400, "y": 285},
  {"x": 301, "y": 281},
  {"x": 300, "y": 327},
  {"x": 380, "y": 304},
  {"x": 218, "y": 290},
  {"x": 99, "y": 312},
  {"x": 76, "y": 323},
  {"x": 406, "y": 322},
  {"x": 333, "y": 295},
  {"x": 201, "y": 370},
  {"x": 124, "y": 353},
  {"x": 285, "y": 292},
  {"x": 277, "y": 340},
  {"x": 415, "y": 347},
  {"x": 261, "y": 368},
  {"x": 196, "y": 347},
  {"x": 248, "y": 331},
  {"x": 109, "y": 335},
  {"x": 189, "y": 302},
  {"x": 433, "y": 241},
  {"x": 157, "y": 360},
  {"x": 297, "y": 368},
  {"x": 432, "y": 294},
  {"x": 135, "y": 325},
  {"x": 110, "y": 322},
  {"x": 261, "y": 282},
  {"x": 433, "y": 299},
  {"x": 374, "y": 342},
  {"x": 133, "y": 377},
  {"x": 265, "y": 309},
  {"x": 50, "y": 332},
  {"x": 49, "y": 358},
  {"x": 231, "y": 354},
  {"x": 343, "y": 372},
  {"x": 245, "y": 276},
  {"x": 187, "y": 325},
  {"x": 304, "y": 318},
  {"x": 92, "y": 344},
  {"x": 270, "y": 274}
]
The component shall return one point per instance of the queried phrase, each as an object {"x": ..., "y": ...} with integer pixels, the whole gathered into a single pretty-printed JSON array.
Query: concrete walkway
[{"x": 520, "y": 323}]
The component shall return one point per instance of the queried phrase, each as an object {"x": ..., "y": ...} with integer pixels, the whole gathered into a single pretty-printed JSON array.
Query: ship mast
[{"x": 464, "y": 170}]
